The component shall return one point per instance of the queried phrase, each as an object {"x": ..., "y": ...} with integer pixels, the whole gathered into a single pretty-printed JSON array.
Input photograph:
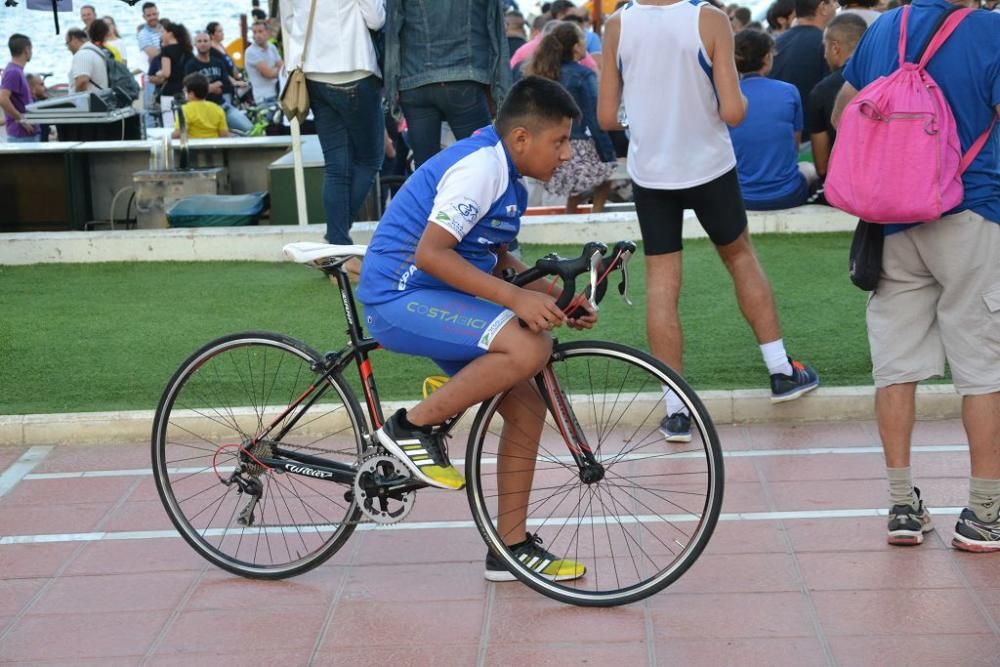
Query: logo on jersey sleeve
[
  {"x": 458, "y": 217},
  {"x": 468, "y": 210}
]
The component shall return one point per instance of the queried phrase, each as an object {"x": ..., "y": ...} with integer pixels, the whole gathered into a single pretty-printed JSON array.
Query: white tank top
[{"x": 676, "y": 137}]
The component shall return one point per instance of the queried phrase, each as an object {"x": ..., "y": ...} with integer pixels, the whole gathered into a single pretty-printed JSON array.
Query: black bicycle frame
[{"x": 357, "y": 351}]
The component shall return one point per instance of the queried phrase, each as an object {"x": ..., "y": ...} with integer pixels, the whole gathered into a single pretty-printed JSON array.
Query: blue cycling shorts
[{"x": 452, "y": 328}]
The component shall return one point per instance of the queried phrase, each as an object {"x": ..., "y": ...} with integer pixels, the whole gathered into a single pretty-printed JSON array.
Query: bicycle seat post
[{"x": 336, "y": 270}]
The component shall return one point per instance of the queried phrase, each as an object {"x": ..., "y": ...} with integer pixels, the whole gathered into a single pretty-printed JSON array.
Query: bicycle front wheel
[
  {"x": 208, "y": 426},
  {"x": 637, "y": 526}
]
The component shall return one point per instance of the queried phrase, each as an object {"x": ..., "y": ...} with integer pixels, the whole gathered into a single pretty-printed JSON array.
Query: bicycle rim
[
  {"x": 646, "y": 521},
  {"x": 213, "y": 409}
]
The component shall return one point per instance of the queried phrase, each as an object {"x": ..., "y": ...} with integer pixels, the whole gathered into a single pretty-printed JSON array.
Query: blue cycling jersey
[{"x": 471, "y": 189}]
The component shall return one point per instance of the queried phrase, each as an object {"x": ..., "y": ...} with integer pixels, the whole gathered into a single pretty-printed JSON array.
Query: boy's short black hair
[
  {"x": 534, "y": 102},
  {"x": 148, "y": 5},
  {"x": 197, "y": 84},
  {"x": 805, "y": 9},
  {"x": 18, "y": 44}
]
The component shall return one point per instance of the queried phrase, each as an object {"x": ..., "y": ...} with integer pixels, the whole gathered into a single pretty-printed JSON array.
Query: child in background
[{"x": 204, "y": 119}]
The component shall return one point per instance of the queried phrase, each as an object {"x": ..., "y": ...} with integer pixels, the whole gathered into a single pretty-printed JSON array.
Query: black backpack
[{"x": 119, "y": 77}]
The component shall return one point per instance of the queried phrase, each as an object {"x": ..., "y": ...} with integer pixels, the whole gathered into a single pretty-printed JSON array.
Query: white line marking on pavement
[
  {"x": 20, "y": 469},
  {"x": 737, "y": 454},
  {"x": 432, "y": 525}
]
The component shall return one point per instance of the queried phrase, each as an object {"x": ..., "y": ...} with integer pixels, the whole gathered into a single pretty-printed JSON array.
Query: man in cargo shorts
[{"x": 939, "y": 294}]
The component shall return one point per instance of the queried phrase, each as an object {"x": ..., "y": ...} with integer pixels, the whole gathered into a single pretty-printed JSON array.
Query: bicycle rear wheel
[
  {"x": 645, "y": 521},
  {"x": 208, "y": 425}
]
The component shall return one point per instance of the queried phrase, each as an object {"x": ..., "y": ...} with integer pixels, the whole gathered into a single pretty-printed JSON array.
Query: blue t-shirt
[
  {"x": 593, "y": 41},
  {"x": 967, "y": 68},
  {"x": 767, "y": 154},
  {"x": 472, "y": 189}
]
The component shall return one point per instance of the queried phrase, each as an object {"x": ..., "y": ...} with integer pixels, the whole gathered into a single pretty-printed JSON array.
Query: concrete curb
[
  {"x": 264, "y": 244},
  {"x": 738, "y": 406}
]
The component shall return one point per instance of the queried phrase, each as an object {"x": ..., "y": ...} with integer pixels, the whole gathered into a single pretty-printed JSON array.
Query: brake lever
[
  {"x": 623, "y": 285},
  {"x": 595, "y": 265}
]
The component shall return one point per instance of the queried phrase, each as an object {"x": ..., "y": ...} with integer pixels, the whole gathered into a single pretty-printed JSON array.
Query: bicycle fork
[{"x": 558, "y": 403}]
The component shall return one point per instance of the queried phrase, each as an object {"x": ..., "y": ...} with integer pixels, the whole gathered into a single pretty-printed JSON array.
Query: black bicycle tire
[
  {"x": 160, "y": 423},
  {"x": 480, "y": 512}
]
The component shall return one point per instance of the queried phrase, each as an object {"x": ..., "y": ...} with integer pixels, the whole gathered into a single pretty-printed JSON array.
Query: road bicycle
[{"x": 266, "y": 461}]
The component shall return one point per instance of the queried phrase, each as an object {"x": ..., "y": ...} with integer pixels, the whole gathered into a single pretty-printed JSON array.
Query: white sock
[
  {"x": 775, "y": 357},
  {"x": 674, "y": 404}
]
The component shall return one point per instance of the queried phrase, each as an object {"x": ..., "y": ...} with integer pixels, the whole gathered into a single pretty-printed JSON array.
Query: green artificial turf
[{"x": 90, "y": 337}]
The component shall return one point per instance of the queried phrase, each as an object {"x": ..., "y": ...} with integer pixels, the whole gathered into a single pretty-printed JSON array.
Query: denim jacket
[
  {"x": 581, "y": 82},
  {"x": 435, "y": 41}
]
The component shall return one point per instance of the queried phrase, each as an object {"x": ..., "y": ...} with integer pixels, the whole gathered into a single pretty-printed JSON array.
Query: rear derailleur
[{"x": 250, "y": 486}]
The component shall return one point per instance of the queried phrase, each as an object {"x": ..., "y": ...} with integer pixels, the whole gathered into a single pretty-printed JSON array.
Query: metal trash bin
[{"x": 157, "y": 191}]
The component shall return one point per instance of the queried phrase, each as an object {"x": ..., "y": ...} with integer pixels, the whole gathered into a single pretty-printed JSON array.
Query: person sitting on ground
[
  {"x": 839, "y": 39},
  {"x": 539, "y": 29},
  {"x": 204, "y": 119},
  {"x": 441, "y": 246},
  {"x": 863, "y": 8},
  {"x": 799, "y": 59},
  {"x": 593, "y": 159},
  {"x": 583, "y": 18},
  {"x": 767, "y": 141},
  {"x": 740, "y": 19},
  {"x": 780, "y": 16}
]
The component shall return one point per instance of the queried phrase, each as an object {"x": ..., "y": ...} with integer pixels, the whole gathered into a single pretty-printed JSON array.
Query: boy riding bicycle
[{"x": 430, "y": 287}]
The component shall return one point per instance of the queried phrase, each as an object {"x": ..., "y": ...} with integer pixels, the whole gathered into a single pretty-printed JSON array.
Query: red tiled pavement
[
  {"x": 9, "y": 455},
  {"x": 802, "y": 592}
]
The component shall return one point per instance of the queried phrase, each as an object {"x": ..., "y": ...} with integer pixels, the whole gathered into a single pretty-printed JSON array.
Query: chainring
[{"x": 383, "y": 509}]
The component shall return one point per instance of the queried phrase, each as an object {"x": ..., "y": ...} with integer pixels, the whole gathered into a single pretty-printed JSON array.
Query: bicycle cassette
[{"x": 371, "y": 489}]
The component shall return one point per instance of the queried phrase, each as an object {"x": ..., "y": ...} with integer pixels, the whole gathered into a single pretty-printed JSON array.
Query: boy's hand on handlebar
[
  {"x": 537, "y": 310},
  {"x": 584, "y": 322}
]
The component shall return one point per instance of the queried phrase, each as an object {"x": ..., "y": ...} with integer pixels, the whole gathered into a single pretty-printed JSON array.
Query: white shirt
[
  {"x": 349, "y": 57},
  {"x": 677, "y": 139},
  {"x": 89, "y": 61},
  {"x": 263, "y": 88}
]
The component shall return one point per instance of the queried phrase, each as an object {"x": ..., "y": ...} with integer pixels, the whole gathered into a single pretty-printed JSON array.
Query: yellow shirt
[
  {"x": 607, "y": 7},
  {"x": 204, "y": 119}
]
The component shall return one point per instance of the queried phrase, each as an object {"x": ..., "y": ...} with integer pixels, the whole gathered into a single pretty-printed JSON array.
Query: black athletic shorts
[{"x": 718, "y": 205}]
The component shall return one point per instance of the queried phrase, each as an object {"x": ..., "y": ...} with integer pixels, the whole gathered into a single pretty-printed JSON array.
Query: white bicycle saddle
[{"x": 316, "y": 254}]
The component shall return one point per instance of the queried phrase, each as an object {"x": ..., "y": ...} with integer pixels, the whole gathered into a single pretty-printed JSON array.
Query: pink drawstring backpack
[{"x": 897, "y": 157}]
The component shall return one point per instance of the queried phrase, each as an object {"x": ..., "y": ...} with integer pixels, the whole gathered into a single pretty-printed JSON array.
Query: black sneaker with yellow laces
[
  {"x": 422, "y": 450},
  {"x": 534, "y": 556}
]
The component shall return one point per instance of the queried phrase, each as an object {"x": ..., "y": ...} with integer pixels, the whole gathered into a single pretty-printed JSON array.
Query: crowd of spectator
[{"x": 160, "y": 56}]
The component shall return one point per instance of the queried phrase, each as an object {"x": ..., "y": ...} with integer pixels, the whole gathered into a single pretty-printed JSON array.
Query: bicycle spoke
[
  {"x": 295, "y": 523},
  {"x": 630, "y": 527}
]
